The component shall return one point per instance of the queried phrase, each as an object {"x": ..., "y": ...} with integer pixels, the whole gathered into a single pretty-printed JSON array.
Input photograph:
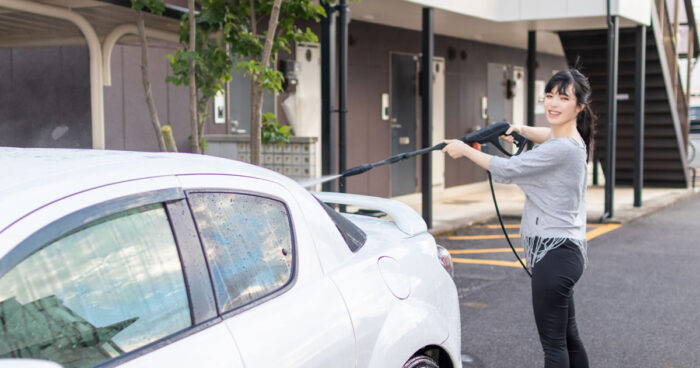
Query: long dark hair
[{"x": 585, "y": 120}]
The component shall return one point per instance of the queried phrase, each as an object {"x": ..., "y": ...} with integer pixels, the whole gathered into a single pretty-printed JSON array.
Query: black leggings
[{"x": 553, "y": 280}]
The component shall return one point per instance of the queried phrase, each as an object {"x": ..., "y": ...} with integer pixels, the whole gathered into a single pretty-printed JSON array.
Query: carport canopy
[{"x": 97, "y": 24}]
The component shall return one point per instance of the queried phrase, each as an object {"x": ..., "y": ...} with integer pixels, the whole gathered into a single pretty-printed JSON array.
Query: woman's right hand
[{"x": 514, "y": 128}]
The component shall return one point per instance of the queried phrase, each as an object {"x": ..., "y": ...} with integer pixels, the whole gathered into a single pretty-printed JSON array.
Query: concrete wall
[
  {"x": 522, "y": 10},
  {"x": 368, "y": 75},
  {"x": 45, "y": 97}
]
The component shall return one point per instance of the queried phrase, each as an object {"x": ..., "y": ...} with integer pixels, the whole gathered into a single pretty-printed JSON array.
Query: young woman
[{"x": 553, "y": 225}]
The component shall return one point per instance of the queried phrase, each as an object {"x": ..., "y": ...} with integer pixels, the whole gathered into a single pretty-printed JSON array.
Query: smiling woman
[{"x": 553, "y": 224}]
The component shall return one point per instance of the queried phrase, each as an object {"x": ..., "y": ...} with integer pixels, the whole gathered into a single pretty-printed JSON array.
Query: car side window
[
  {"x": 97, "y": 292},
  {"x": 248, "y": 243},
  {"x": 354, "y": 237}
]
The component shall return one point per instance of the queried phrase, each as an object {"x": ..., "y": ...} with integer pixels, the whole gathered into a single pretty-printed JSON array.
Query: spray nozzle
[{"x": 357, "y": 170}]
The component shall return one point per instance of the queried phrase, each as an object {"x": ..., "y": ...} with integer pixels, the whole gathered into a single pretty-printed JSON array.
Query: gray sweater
[{"x": 553, "y": 176}]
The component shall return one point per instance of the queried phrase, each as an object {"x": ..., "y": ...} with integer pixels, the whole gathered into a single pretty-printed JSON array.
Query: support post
[
  {"x": 328, "y": 132},
  {"x": 639, "y": 110},
  {"x": 595, "y": 169},
  {"x": 426, "y": 86},
  {"x": 531, "y": 74},
  {"x": 613, "y": 53},
  {"x": 691, "y": 43},
  {"x": 343, "y": 20}
]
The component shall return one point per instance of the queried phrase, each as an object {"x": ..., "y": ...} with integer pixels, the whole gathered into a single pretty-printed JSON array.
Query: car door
[
  {"x": 111, "y": 276},
  {"x": 270, "y": 289}
]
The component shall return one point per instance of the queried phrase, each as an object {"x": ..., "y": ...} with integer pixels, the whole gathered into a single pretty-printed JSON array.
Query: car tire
[{"x": 421, "y": 361}]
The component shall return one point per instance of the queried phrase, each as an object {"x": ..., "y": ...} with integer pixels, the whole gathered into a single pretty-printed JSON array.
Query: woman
[{"x": 553, "y": 226}]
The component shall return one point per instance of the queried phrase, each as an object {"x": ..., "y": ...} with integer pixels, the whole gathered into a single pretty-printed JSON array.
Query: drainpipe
[
  {"x": 96, "y": 93},
  {"x": 426, "y": 85},
  {"x": 343, "y": 20},
  {"x": 119, "y": 32},
  {"x": 531, "y": 73}
]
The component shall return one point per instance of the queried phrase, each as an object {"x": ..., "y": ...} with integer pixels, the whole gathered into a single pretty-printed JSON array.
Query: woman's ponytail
[{"x": 586, "y": 127}]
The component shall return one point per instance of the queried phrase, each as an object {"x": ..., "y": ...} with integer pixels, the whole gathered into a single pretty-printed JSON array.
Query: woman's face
[{"x": 561, "y": 108}]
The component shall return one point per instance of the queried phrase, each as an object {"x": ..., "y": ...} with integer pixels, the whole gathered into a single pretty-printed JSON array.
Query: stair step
[
  {"x": 649, "y": 155},
  {"x": 652, "y": 144},
  {"x": 657, "y": 183}
]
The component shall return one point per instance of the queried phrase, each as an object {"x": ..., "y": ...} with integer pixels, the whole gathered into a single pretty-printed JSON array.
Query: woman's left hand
[{"x": 455, "y": 148}]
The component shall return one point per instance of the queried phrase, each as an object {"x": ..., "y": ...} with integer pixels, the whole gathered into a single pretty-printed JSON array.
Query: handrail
[
  {"x": 670, "y": 48},
  {"x": 690, "y": 12}
]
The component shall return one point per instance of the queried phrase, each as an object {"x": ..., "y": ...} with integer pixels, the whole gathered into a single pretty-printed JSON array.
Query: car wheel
[{"x": 421, "y": 361}]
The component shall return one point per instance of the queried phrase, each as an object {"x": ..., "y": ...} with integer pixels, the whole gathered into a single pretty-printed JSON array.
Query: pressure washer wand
[{"x": 488, "y": 134}]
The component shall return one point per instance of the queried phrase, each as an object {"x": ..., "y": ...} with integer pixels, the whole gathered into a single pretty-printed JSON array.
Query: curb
[{"x": 625, "y": 214}]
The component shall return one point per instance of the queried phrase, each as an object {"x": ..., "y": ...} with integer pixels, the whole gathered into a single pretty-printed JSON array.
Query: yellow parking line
[
  {"x": 481, "y": 251},
  {"x": 515, "y": 226},
  {"x": 481, "y": 237},
  {"x": 499, "y": 226},
  {"x": 487, "y": 262},
  {"x": 601, "y": 230}
]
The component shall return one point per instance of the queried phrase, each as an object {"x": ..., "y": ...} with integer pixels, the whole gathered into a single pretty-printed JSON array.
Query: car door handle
[{"x": 396, "y": 126}]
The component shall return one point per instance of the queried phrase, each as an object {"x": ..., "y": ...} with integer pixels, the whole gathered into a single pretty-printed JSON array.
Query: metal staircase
[{"x": 666, "y": 110}]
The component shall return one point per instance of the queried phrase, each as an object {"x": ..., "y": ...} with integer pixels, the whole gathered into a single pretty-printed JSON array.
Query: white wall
[{"x": 520, "y": 10}]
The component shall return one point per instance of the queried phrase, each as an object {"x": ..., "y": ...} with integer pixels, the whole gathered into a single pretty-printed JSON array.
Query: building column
[
  {"x": 612, "y": 74},
  {"x": 328, "y": 132},
  {"x": 639, "y": 109}
]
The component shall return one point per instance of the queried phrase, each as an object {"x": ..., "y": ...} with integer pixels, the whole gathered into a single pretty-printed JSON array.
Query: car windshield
[{"x": 353, "y": 235}]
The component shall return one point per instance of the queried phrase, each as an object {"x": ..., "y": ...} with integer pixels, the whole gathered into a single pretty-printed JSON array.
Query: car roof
[{"x": 34, "y": 177}]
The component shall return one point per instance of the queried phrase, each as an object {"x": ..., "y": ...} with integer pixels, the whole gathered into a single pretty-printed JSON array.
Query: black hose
[{"x": 503, "y": 227}]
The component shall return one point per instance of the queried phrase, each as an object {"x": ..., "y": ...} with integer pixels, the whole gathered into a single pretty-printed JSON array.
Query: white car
[{"x": 155, "y": 260}]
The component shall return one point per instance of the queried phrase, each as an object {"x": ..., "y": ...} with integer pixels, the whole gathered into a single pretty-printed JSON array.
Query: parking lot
[{"x": 634, "y": 303}]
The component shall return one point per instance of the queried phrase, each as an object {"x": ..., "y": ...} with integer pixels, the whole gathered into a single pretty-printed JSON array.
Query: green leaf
[{"x": 154, "y": 6}]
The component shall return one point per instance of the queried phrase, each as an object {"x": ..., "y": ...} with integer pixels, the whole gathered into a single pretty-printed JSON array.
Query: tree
[{"x": 239, "y": 20}]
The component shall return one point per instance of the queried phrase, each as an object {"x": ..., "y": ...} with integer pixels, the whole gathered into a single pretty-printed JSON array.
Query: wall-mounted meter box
[{"x": 385, "y": 106}]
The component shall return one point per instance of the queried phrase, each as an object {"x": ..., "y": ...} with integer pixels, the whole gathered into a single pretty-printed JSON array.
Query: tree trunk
[
  {"x": 203, "y": 121},
  {"x": 255, "y": 123},
  {"x": 256, "y": 88},
  {"x": 194, "y": 126},
  {"x": 147, "y": 82}
]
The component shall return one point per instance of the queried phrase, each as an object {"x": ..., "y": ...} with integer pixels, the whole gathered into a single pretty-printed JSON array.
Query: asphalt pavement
[{"x": 637, "y": 303}]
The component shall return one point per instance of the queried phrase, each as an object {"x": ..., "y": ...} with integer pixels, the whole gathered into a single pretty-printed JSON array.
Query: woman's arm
[
  {"x": 456, "y": 149},
  {"x": 516, "y": 169}
]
